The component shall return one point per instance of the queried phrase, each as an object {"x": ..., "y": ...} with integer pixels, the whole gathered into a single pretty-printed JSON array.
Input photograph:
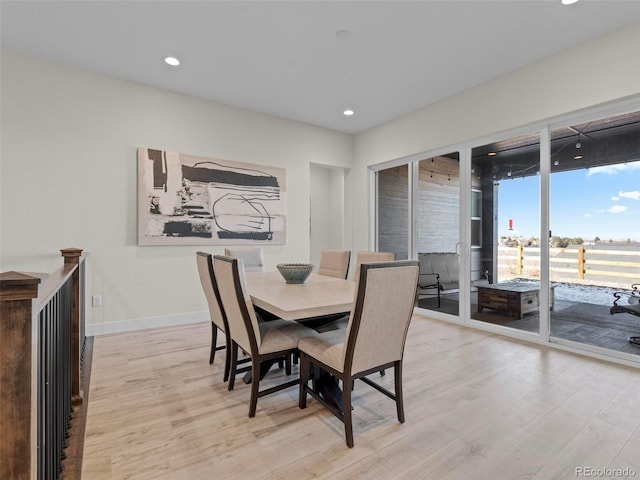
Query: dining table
[{"x": 318, "y": 296}]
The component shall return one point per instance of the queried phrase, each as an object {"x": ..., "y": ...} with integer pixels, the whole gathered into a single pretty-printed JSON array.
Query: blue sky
[{"x": 601, "y": 201}]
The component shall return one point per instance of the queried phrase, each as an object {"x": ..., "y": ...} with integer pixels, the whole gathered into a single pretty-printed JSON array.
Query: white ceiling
[{"x": 283, "y": 58}]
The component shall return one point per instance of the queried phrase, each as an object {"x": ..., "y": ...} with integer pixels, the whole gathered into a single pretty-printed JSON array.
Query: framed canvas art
[{"x": 190, "y": 200}]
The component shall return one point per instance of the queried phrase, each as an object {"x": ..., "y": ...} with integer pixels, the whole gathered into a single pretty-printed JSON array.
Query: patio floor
[{"x": 578, "y": 322}]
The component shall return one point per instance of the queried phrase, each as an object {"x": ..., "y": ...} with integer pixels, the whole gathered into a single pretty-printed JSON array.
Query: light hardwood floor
[{"x": 478, "y": 406}]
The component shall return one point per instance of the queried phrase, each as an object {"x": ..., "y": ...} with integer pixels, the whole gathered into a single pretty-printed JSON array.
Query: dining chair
[
  {"x": 374, "y": 338},
  {"x": 334, "y": 263},
  {"x": 253, "y": 260},
  {"x": 252, "y": 257},
  {"x": 263, "y": 341},
  {"x": 216, "y": 312},
  {"x": 340, "y": 322},
  {"x": 368, "y": 257}
]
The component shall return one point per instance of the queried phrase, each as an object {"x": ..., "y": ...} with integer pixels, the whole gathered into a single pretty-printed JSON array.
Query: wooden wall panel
[
  {"x": 393, "y": 205},
  {"x": 438, "y": 205}
]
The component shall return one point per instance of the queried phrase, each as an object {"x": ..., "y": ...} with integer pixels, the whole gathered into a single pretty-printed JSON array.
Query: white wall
[
  {"x": 589, "y": 74},
  {"x": 68, "y": 171},
  {"x": 68, "y": 178}
]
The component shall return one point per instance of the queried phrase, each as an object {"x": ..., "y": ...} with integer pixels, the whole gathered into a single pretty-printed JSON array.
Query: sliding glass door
[
  {"x": 594, "y": 246},
  {"x": 437, "y": 232},
  {"x": 552, "y": 221},
  {"x": 418, "y": 216},
  {"x": 505, "y": 232}
]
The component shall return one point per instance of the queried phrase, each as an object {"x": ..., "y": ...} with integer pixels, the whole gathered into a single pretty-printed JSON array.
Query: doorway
[{"x": 326, "y": 223}]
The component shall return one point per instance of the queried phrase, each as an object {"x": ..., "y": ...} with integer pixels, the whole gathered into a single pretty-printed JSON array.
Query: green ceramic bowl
[{"x": 295, "y": 272}]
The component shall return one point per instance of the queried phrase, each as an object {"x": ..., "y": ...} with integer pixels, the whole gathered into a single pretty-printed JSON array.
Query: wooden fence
[{"x": 609, "y": 268}]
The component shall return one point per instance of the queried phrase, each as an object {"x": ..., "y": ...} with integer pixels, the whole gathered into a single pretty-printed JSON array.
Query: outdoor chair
[
  {"x": 439, "y": 274},
  {"x": 374, "y": 338},
  {"x": 632, "y": 306}
]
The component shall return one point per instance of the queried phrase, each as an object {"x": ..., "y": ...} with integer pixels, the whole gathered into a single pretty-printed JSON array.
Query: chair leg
[
  {"x": 287, "y": 364},
  {"x": 399, "y": 399},
  {"x": 214, "y": 339},
  {"x": 255, "y": 383},
  {"x": 304, "y": 380},
  {"x": 227, "y": 360},
  {"x": 346, "y": 416},
  {"x": 234, "y": 363},
  {"x": 316, "y": 375}
]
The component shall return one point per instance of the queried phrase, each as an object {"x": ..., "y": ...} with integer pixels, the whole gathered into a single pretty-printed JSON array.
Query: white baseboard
[{"x": 144, "y": 323}]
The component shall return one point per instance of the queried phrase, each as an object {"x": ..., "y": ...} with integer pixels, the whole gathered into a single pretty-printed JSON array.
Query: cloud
[
  {"x": 613, "y": 169},
  {"x": 615, "y": 199},
  {"x": 602, "y": 210},
  {"x": 617, "y": 209},
  {"x": 587, "y": 215},
  {"x": 634, "y": 195}
]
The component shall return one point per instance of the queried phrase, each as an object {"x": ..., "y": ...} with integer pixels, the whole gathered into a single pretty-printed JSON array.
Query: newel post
[
  {"x": 72, "y": 258},
  {"x": 17, "y": 292}
]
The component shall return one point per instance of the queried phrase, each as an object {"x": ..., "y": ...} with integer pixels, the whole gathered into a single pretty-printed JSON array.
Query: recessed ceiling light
[
  {"x": 348, "y": 112},
  {"x": 491, "y": 154},
  {"x": 173, "y": 61},
  {"x": 577, "y": 157},
  {"x": 568, "y": 2}
]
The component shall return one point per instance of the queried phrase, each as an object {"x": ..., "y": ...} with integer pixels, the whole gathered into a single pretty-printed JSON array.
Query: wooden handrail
[{"x": 23, "y": 296}]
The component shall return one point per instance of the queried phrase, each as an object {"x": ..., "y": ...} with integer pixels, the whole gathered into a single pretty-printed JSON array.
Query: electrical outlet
[{"x": 96, "y": 300}]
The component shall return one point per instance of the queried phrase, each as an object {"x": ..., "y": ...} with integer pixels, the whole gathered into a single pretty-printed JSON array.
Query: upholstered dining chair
[
  {"x": 340, "y": 321},
  {"x": 263, "y": 341},
  {"x": 253, "y": 260},
  {"x": 368, "y": 257},
  {"x": 374, "y": 339},
  {"x": 252, "y": 257},
  {"x": 334, "y": 263},
  {"x": 218, "y": 319}
]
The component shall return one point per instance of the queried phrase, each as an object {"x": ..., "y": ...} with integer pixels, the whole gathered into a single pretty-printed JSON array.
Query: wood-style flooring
[{"x": 477, "y": 405}]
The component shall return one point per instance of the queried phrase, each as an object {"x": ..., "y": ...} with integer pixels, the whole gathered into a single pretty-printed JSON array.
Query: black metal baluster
[
  {"x": 40, "y": 394},
  {"x": 55, "y": 383}
]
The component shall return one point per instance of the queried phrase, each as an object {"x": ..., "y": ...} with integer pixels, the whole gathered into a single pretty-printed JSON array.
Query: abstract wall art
[{"x": 190, "y": 200}]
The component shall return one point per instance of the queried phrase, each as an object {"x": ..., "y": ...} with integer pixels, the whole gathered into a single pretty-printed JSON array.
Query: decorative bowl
[{"x": 295, "y": 272}]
